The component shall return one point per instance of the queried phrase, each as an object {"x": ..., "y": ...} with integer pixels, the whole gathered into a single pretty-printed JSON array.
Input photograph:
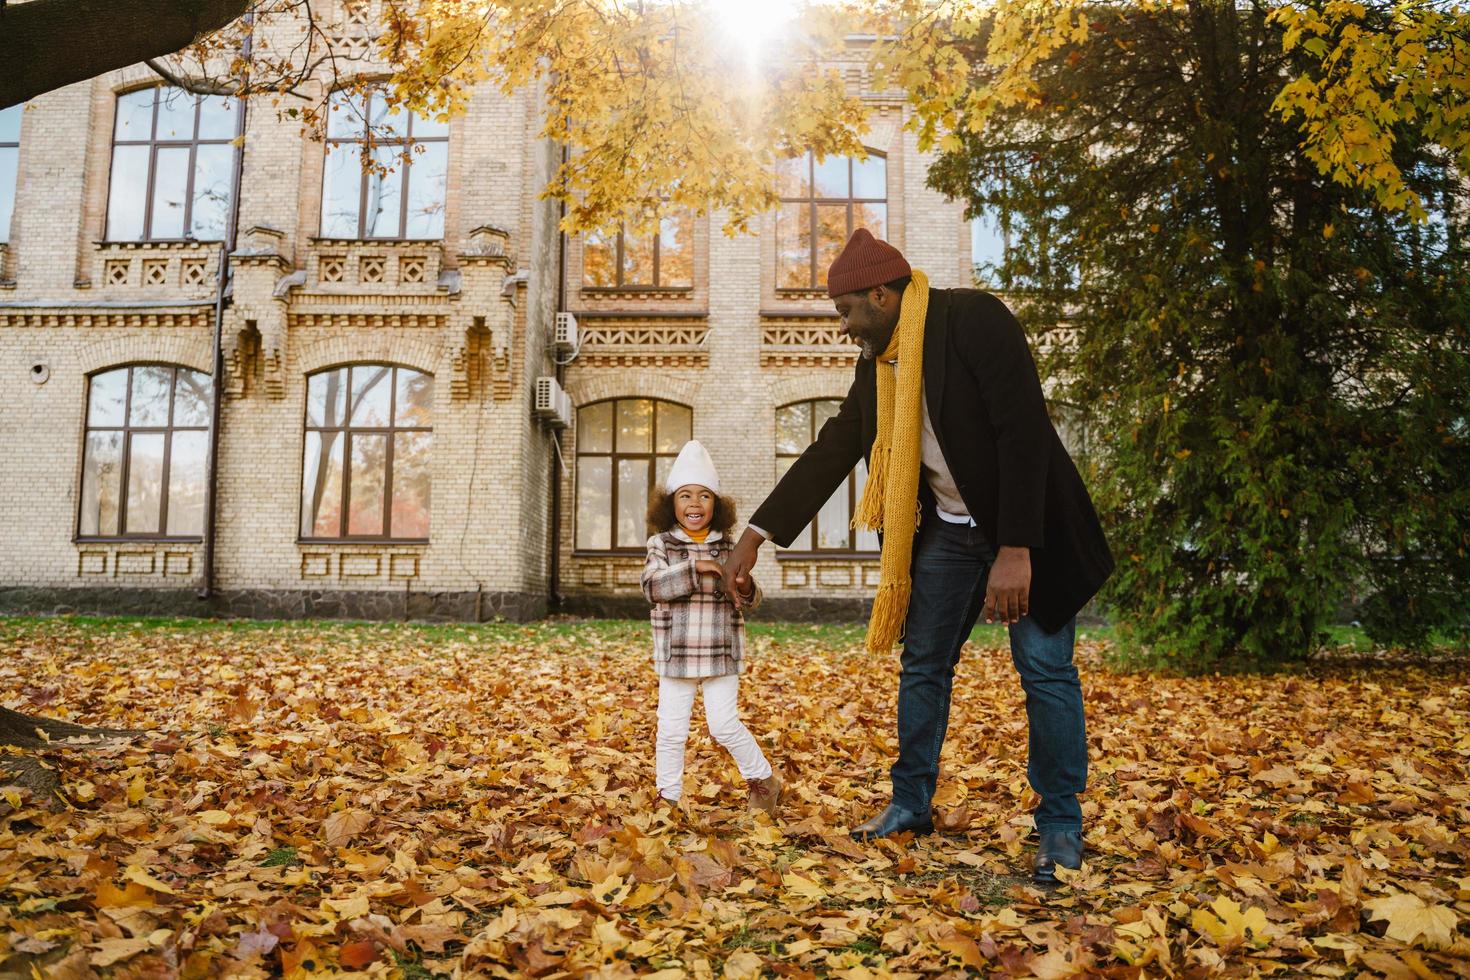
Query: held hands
[
  {"x": 1008, "y": 589},
  {"x": 737, "y": 584},
  {"x": 705, "y": 566}
]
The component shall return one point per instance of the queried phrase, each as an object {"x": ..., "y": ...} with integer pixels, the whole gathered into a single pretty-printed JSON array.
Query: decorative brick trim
[
  {"x": 403, "y": 565},
  {"x": 316, "y": 564},
  {"x": 362, "y": 320},
  {"x": 129, "y": 563},
  {"x": 358, "y": 565},
  {"x": 117, "y": 318},
  {"x": 807, "y": 387},
  {"x": 804, "y": 341},
  {"x": 420, "y": 353},
  {"x": 178, "y": 563},
  {"x": 194, "y": 350},
  {"x": 92, "y": 562},
  {"x": 654, "y": 341},
  {"x": 640, "y": 384}
]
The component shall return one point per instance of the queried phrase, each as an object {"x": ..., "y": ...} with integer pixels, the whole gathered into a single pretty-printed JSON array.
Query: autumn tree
[
  {"x": 1260, "y": 252},
  {"x": 1271, "y": 354}
]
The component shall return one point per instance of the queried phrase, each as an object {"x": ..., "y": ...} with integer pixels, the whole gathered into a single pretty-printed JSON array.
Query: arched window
[
  {"x": 365, "y": 470},
  {"x": 147, "y": 437},
  {"x": 821, "y": 204},
  {"x": 400, "y": 194},
  {"x": 631, "y": 261},
  {"x": 172, "y": 166},
  {"x": 9, "y": 166},
  {"x": 625, "y": 448},
  {"x": 796, "y": 427}
]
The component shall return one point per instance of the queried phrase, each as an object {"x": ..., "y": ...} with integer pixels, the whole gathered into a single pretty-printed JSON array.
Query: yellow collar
[{"x": 696, "y": 536}]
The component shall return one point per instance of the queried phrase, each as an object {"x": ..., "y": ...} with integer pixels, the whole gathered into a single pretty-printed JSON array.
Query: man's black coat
[{"x": 1008, "y": 463}]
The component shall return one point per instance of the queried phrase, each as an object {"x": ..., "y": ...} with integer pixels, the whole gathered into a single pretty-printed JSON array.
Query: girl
[{"x": 698, "y": 634}]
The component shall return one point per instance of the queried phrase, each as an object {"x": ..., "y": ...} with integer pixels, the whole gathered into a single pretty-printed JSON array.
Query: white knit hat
[{"x": 693, "y": 466}]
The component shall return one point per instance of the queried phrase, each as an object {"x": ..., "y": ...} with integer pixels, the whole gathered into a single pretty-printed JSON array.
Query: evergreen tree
[{"x": 1274, "y": 371}]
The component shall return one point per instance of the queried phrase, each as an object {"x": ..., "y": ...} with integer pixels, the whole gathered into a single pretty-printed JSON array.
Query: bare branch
[{"x": 197, "y": 85}]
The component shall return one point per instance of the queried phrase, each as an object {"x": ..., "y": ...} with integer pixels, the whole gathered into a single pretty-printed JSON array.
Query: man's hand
[
  {"x": 1008, "y": 589},
  {"x": 738, "y": 566}
]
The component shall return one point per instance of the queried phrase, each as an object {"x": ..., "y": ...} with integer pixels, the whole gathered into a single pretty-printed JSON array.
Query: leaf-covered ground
[{"x": 410, "y": 801}]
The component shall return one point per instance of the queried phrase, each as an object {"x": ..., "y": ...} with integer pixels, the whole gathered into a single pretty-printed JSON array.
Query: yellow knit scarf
[{"x": 891, "y": 498}]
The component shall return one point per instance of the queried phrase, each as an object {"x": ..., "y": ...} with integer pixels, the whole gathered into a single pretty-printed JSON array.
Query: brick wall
[{"x": 474, "y": 310}]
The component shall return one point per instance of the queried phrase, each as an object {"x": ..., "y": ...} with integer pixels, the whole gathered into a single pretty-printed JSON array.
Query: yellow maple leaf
[
  {"x": 141, "y": 877},
  {"x": 804, "y": 887},
  {"x": 744, "y": 965},
  {"x": 343, "y": 825},
  {"x": 1229, "y": 924},
  {"x": 1414, "y": 921}
]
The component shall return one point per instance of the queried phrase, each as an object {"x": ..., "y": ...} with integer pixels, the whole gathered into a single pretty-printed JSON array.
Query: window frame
[
  {"x": 810, "y": 202},
  {"x": 154, "y": 145},
  {"x": 613, "y": 456},
  {"x": 361, "y": 126},
  {"x": 346, "y": 429},
  {"x": 620, "y": 286},
  {"x": 814, "y": 550},
  {"x": 127, "y": 429},
  {"x": 15, "y": 187}
]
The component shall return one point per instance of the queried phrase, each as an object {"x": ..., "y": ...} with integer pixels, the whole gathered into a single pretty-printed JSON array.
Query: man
[{"x": 947, "y": 408}]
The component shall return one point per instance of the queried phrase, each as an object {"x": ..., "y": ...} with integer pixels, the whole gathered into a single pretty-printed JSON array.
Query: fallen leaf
[
  {"x": 1411, "y": 919},
  {"x": 1229, "y": 924},
  {"x": 342, "y": 826}
]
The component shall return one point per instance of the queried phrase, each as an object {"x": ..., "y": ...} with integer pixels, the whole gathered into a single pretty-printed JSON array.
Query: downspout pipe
[
  {"x": 554, "y": 598},
  {"x": 232, "y": 224}
]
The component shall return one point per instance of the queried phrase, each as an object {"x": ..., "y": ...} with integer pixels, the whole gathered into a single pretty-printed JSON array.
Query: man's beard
[{"x": 866, "y": 350}]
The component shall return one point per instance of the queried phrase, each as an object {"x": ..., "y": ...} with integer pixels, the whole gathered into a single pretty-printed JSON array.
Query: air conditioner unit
[
  {"x": 553, "y": 405},
  {"x": 564, "y": 337}
]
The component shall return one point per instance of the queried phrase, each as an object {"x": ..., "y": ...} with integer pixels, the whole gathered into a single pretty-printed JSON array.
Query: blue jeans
[{"x": 951, "y": 565}]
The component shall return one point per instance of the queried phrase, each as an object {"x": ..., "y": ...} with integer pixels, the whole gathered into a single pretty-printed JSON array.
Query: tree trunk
[
  {"x": 30, "y": 732},
  {"x": 51, "y": 43}
]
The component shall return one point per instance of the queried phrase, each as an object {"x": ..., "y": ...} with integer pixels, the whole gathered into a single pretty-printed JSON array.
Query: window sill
[
  {"x": 609, "y": 291},
  {"x": 139, "y": 539},
  {"x": 828, "y": 555},
  {"x": 375, "y": 242},
  {"x": 626, "y": 553},
  {"x": 161, "y": 243},
  {"x": 396, "y": 542},
  {"x": 802, "y": 294}
]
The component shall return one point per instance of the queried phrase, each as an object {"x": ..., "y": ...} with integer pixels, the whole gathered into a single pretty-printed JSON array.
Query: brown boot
[{"x": 765, "y": 794}]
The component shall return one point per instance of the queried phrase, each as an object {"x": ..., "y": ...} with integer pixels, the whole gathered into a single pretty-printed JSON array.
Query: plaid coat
[{"x": 697, "y": 631}]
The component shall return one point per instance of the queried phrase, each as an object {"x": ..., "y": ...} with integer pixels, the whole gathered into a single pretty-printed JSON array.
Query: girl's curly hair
[{"x": 661, "y": 513}]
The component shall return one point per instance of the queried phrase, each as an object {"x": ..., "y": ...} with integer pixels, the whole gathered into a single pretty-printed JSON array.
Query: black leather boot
[
  {"x": 894, "y": 820},
  {"x": 1058, "y": 848}
]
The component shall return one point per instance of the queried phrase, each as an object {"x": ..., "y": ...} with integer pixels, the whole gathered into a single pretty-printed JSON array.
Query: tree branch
[{"x": 199, "y": 86}]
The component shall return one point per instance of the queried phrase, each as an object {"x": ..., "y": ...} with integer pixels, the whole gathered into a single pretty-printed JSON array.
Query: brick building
[{"x": 380, "y": 453}]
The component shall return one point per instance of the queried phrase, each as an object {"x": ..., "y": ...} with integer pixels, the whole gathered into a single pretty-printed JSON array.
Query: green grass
[
  {"x": 581, "y": 634},
  {"x": 585, "y": 630},
  {"x": 281, "y": 857}
]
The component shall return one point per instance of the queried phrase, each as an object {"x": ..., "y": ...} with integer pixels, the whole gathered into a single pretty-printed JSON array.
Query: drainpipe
[
  {"x": 232, "y": 222},
  {"x": 554, "y": 597}
]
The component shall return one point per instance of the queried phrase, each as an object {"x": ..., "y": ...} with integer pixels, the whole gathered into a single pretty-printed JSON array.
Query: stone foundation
[{"x": 276, "y": 604}]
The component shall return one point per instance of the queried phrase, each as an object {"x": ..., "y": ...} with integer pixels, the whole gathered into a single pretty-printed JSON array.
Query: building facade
[{"x": 383, "y": 336}]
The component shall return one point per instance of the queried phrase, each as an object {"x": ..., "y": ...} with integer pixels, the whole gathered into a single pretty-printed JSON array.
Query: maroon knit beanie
[{"x": 865, "y": 262}]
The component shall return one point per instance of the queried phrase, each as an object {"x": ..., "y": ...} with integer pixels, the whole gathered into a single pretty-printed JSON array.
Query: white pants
[{"x": 676, "y": 704}]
